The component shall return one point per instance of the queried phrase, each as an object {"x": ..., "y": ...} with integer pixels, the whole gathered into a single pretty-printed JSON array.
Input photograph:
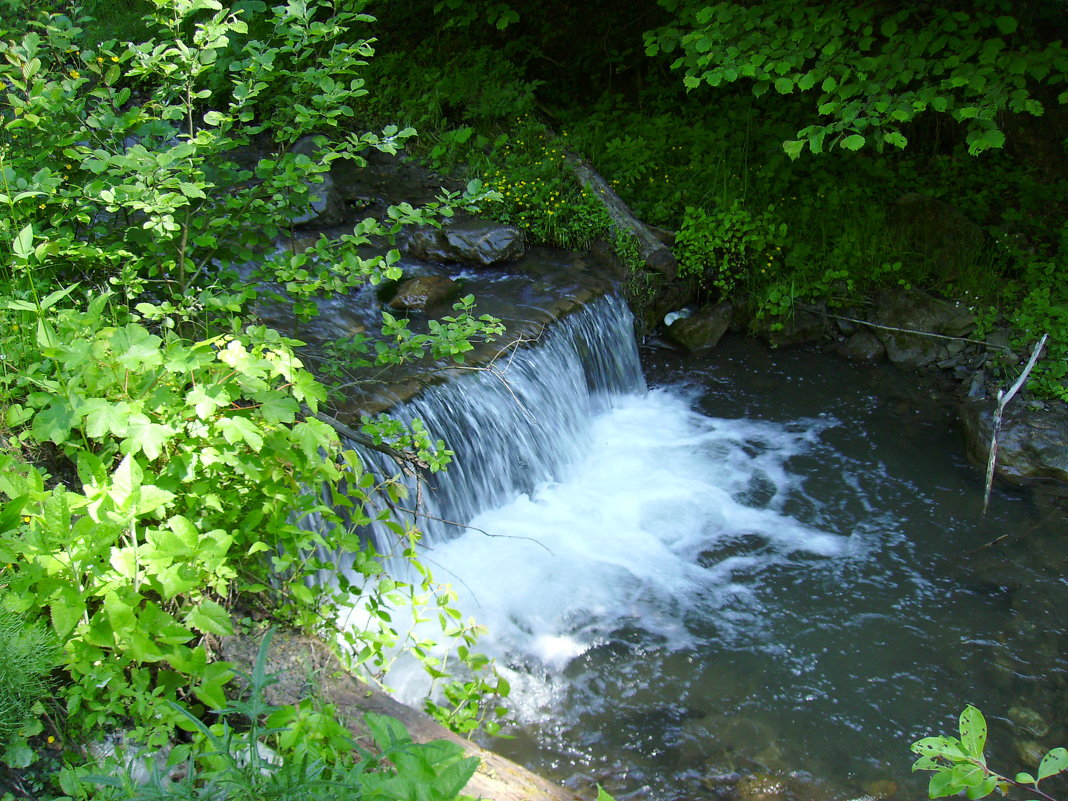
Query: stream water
[{"x": 747, "y": 563}]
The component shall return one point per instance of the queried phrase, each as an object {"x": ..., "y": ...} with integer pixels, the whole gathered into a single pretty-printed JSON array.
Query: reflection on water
[{"x": 769, "y": 565}]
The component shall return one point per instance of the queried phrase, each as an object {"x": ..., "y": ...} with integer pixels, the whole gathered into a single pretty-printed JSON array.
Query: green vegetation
[
  {"x": 167, "y": 472},
  {"x": 673, "y": 104},
  {"x": 236, "y": 759},
  {"x": 164, "y": 477},
  {"x": 959, "y": 765}
]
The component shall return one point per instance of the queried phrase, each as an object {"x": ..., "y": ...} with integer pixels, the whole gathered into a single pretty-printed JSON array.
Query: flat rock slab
[{"x": 294, "y": 657}]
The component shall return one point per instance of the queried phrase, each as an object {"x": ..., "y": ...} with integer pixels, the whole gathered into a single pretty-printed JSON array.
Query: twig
[
  {"x": 1003, "y": 400},
  {"x": 907, "y": 330},
  {"x": 475, "y": 528}
]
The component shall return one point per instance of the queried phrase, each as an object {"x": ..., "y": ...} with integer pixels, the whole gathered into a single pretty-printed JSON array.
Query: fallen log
[
  {"x": 293, "y": 658},
  {"x": 654, "y": 253}
]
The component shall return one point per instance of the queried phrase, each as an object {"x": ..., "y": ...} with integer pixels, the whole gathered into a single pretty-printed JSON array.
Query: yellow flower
[
  {"x": 99, "y": 59},
  {"x": 51, "y": 739},
  {"x": 75, "y": 74},
  {"x": 115, "y": 59}
]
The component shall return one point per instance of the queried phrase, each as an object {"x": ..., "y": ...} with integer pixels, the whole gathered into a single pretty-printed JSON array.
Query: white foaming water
[{"x": 633, "y": 534}]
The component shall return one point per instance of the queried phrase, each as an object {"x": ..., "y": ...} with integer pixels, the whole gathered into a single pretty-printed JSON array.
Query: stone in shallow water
[
  {"x": 472, "y": 242},
  {"x": 421, "y": 292},
  {"x": 702, "y": 330}
]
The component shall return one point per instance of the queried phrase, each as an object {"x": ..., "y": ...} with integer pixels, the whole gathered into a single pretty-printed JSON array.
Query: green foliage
[
  {"x": 722, "y": 248},
  {"x": 870, "y": 70},
  {"x": 959, "y": 764},
  {"x": 540, "y": 194},
  {"x": 260, "y": 751},
  {"x": 162, "y": 463},
  {"x": 28, "y": 653}
]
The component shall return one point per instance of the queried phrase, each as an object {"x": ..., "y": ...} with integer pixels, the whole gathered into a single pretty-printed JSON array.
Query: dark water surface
[{"x": 769, "y": 562}]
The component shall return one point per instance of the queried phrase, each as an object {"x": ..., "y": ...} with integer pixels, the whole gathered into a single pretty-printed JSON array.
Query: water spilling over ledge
[{"x": 766, "y": 564}]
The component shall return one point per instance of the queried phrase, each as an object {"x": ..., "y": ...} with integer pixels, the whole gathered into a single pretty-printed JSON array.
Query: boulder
[
  {"x": 917, "y": 311},
  {"x": 1032, "y": 446},
  {"x": 800, "y": 328},
  {"x": 938, "y": 232},
  {"x": 471, "y": 242},
  {"x": 325, "y": 206},
  {"x": 421, "y": 292},
  {"x": 863, "y": 346},
  {"x": 763, "y": 787},
  {"x": 702, "y": 330}
]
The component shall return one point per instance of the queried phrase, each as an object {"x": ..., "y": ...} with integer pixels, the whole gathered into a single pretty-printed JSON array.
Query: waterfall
[{"x": 514, "y": 424}]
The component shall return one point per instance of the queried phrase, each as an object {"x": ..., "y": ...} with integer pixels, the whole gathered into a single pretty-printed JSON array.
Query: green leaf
[
  {"x": 895, "y": 138},
  {"x": 22, "y": 246},
  {"x": 1025, "y": 778},
  {"x": 942, "y": 784},
  {"x": 1053, "y": 763},
  {"x": 853, "y": 142},
  {"x": 103, "y": 418},
  {"x": 238, "y": 429},
  {"x": 209, "y": 618},
  {"x": 888, "y": 28},
  {"x": 135, "y": 348},
  {"x": 66, "y": 610},
  {"x": 793, "y": 147},
  {"x": 973, "y": 732},
  {"x": 1006, "y": 25},
  {"x": 146, "y": 436},
  {"x": 54, "y": 422},
  {"x": 784, "y": 86}
]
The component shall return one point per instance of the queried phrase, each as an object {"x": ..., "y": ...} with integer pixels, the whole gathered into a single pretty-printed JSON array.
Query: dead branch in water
[{"x": 1003, "y": 400}]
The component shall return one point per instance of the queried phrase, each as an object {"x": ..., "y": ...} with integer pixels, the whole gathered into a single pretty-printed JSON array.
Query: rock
[
  {"x": 1029, "y": 752},
  {"x": 1028, "y": 721},
  {"x": 1033, "y": 445},
  {"x": 939, "y": 233},
  {"x": 326, "y": 206},
  {"x": 881, "y": 788},
  {"x": 702, "y": 330},
  {"x": 763, "y": 787},
  {"x": 802, "y": 327},
  {"x": 916, "y": 311},
  {"x": 421, "y": 292},
  {"x": 473, "y": 242},
  {"x": 863, "y": 346}
]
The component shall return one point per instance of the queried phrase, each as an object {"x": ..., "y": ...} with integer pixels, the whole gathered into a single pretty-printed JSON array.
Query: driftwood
[
  {"x": 294, "y": 658},
  {"x": 1003, "y": 401},
  {"x": 656, "y": 255}
]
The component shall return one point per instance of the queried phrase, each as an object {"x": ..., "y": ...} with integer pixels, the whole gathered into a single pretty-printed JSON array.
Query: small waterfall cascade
[{"x": 514, "y": 423}]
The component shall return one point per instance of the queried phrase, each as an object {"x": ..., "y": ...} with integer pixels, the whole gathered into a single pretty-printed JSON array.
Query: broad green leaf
[
  {"x": 22, "y": 246},
  {"x": 46, "y": 334},
  {"x": 895, "y": 138},
  {"x": 146, "y": 436},
  {"x": 54, "y": 422},
  {"x": 942, "y": 784},
  {"x": 238, "y": 429},
  {"x": 853, "y": 142},
  {"x": 135, "y": 348},
  {"x": 103, "y": 418},
  {"x": 1053, "y": 763},
  {"x": 888, "y": 28},
  {"x": 66, "y": 610},
  {"x": 1006, "y": 25},
  {"x": 206, "y": 399},
  {"x": 973, "y": 732},
  {"x": 209, "y": 618},
  {"x": 1025, "y": 778}
]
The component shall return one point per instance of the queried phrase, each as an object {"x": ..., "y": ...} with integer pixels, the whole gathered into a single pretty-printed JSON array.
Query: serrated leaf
[
  {"x": 240, "y": 429},
  {"x": 853, "y": 142},
  {"x": 103, "y": 418},
  {"x": 210, "y": 618},
  {"x": 146, "y": 436},
  {"x": 135, "y": 348},
  {"x": 54, "y": 422}
]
